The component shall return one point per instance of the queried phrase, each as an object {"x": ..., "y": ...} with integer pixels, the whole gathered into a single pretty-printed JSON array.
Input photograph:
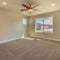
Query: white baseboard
[
  {"x": 8, "y": 40},
  {"x": 35, "y": 37},
  {"x": 52, "y": 39}
]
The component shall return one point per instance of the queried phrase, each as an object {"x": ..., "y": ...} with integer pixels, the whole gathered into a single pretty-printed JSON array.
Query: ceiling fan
[{"x": 29, "y": 8}]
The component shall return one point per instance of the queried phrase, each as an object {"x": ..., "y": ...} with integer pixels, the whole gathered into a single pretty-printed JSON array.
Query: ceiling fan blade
[
  {"x": 36, "y": 9},
  {"x": 29, "y": 4},
  {"x": 35, "y": 6},
  {"x": 23, "y": 9},
  {"x": 25, "y": 6}
]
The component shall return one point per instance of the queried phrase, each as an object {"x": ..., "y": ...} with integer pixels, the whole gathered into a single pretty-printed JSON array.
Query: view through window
[
  {"x": 24, "y": 21},
  {"x": 44, "y": 24}
]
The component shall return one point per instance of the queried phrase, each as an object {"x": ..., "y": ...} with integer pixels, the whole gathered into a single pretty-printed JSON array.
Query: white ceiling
[{"x": 44, "y": 7}]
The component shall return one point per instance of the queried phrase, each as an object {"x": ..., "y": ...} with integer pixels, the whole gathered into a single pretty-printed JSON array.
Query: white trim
[
  {"x": 35, "y": 37},
  {"x": 52, "y": 39},
  {"x": 8, "y": 40}
]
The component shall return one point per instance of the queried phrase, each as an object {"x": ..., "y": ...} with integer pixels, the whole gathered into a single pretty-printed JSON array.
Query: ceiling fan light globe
[{"x": 30, "y": 10}]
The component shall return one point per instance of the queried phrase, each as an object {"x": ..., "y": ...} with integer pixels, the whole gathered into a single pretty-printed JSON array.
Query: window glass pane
[
  {"x": 24, "y": 21},
  {"x": 48, "y": 24},
  {"x": 39, "y": 25}
]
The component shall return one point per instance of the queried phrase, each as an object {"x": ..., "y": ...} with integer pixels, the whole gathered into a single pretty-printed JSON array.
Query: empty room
[{"x": 29, "y": 29}]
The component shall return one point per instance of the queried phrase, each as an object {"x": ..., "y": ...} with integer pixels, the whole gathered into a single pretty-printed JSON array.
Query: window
[
  {"x": 39, "y": 25},
  {"x": 44, "y": 24},
  {"x": 48, "y": 24},
  {"x": 24, "y": 21}
]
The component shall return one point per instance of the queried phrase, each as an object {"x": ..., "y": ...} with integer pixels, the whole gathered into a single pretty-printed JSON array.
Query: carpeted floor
[{"x": 24, "y": 49}]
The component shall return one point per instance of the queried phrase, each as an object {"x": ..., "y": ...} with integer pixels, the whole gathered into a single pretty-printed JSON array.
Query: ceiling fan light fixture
[{"x": 30, "y": 10}]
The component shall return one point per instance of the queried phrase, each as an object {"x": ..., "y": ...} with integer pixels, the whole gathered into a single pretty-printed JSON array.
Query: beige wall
[
  {"x": 54, "y": 35},
  {"x": 11, "y": 26}
]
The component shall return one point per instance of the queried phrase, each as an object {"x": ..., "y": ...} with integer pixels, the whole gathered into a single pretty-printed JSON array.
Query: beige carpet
[{"x": 30, "y": 50}]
